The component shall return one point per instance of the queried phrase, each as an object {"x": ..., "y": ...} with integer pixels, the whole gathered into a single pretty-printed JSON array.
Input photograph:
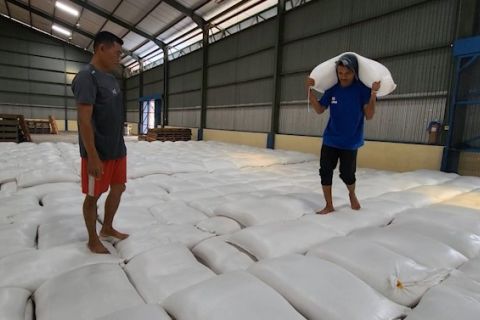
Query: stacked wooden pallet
[
  {"x": 40, "y": 126},
  {"x": 169, "y": 134},
  {"x": 13, "y": 128}
]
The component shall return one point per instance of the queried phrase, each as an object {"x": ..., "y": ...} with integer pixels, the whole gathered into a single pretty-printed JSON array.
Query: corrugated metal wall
[
  {"x": 36, "y": 73},
  {"x": 411, "y": 37}
]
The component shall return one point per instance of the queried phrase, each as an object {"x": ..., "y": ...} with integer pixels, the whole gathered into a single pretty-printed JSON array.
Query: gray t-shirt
[{"x": 100, "y": 89}]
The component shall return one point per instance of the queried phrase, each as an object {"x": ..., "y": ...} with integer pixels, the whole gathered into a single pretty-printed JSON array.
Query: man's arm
[
  {"x": 315, "y": 104},
  {"x": 84, "y": 111},
  {"x": 369, "y": 108},
  {"x": 313, "y": 99}
]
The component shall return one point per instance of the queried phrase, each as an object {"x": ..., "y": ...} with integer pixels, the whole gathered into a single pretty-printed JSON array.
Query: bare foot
[
  {"x": 326, "y": 210},
  {"x": 113, "y": 233},
  {"x": 354, "y": 203},
  {"x": 97, "y": 247}
]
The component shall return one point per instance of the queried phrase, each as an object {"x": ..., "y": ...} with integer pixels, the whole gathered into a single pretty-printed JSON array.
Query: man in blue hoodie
[{"x": 350, "y": 102}]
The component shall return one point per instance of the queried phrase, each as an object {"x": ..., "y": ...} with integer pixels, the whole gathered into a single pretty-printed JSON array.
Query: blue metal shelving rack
[{"x": 466, "y": 92}]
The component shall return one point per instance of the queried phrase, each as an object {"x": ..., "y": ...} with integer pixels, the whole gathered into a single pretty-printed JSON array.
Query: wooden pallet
[
  {"x": 13, "y": 128},
  {"x": 38, "y": 126},
  {"x": 169, "y": 134}
]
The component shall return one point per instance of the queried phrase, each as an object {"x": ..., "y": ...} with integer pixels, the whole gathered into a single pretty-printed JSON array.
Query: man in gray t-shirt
[{"x": 102, "y": 148}]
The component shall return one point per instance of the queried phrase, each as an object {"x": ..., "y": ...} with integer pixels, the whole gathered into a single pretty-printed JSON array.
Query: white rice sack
[
  {"x": 71, "y": 197},
  {"x": 234, "y": 188},
  {"x": 219, "y": 225},
  {"x": 162, "y": 271},
  {"x": 369, "y": 71},
  {"x": 141, "y": 169},
  {"x": 208, "y": 205},
  {"x": 471, "y": 269},
  {"x": 429, "y": 177},
  {"x": 463, "y": 284},
  {"x": 16, "y": 237},
  {"x": 13, "y": 303},
  {"x": 159, "y": 235},
  {"x": 346, "y": 220},
  {"x": 42, "y": 176},
  {"x": 397, "y": 277},
  {"x": 463, "y": 241},
  {"x": 138, "y": 187},
  {"x": 221, "y": 256},
  {"x": 322, "y": 290},
  {"x": 192, "y": 195},
  {"x": 422, "y": 249},
  {"x": 445, "y": 303},
  {"x": 176, "y": 212},
  {"x": 62, "y": 232},
  {"x": 253, "y": 211},
  {"x": 469, "y": 183},
  {"x": 9, "y": 187},
  {"x": 212, "y": 165},
  {"x": 142, "y": 312},
  {"x": 466, "y": 200},
  {"x": 314, "y": 200},
  {"x": 277, "y": 239},
  {"x": 30, "y": 312},
  {"x": 30, "y": 269},
  {"x": 15, "y": 204},
  {"x": 414, "y": 199},
  {"x": 86, "y": 293},
  {"x": 447, "y": 215},
  {"x": 130, "y": 218},
  {"x": 42, "y": 190},
  {"x": 438, "y": 192},
  {"x": 145, "y": 201},
  {"x": 235, "y": 295}
]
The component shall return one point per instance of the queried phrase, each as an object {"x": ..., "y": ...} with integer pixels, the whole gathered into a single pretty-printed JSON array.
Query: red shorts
[{"x": 114, "y": 172}]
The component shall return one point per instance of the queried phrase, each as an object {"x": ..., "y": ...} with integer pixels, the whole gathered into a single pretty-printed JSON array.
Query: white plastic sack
[
  {"x": 397, "y": 277},
  {"x": 422, "y": 249},
  {"x": 130, "y": 218},
  {"x": 463, "y": 241},
  {"x": 219, "y": 225},
  {"x": 221, "y": 256},
  {"x": 159, "y": 235},
  {"x": 471, "y": 269},
  {"x": 13, "y": 303},
  {"x": 447, "y": 215},
  {"x": 369, "y": 71},
  {"x": 460, "y": 283},
  {"x": 321, "y": 290},
  {"x": 142, "y": 312},
  {"x": 43, "y": 176},
  {"x": 444, "y": 303},
  {"x": 86, "y": 293},
  {"x": 233, "y": 296},
  {"x": 277, "y": 239},
  {"x": 62, "y": 232},
  {"x": 42, "y": 190},
  {"x": 176, "y": 212},
  {"x": 162, "y": 271},
  {"x": 414, "y": 199},
  {"x": 16, "y": 237},
  {"x": 345, "y": 220},
  {"x": 16, "y": 204},
  {"x": 253, "y": 211},
  {"x": 30, "y": 269},
  {"x": 466, "y": 200}
]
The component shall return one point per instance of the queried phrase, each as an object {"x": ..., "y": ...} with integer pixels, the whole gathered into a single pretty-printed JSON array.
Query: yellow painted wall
[
  {"x": 246, "y": 138},
  {"x": 377, "y": 155},
  {"x": 399, "y": 156},
  {"x": 72, "y": 125}
]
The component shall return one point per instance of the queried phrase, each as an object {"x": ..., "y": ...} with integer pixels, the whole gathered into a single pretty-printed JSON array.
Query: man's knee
[
  {"x": 117, "y": 189},
  {"x": 326, "y": 176},
  {"x": 90, "y": 202},
  {"x": 348, "y": 178}
]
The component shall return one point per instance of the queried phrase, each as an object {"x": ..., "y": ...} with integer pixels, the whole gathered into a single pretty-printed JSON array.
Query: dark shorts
[{"x": 329, "y": 157}]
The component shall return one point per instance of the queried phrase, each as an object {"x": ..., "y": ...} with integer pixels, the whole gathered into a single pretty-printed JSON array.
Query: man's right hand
[
  {"x": 309, "y": 82},
  {"x": 95, "y": 167}
]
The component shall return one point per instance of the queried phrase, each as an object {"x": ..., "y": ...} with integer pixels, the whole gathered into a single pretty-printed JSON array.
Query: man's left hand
[{"x": 376, "y": 85}]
